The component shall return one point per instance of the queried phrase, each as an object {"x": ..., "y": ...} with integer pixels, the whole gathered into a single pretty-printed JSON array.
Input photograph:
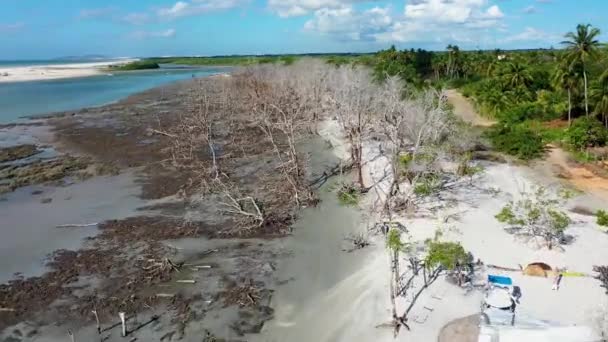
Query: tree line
[{"x": 541, "y": 96}]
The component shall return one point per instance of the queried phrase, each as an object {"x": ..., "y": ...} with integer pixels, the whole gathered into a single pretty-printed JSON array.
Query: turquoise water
[{"x": 22, "y": 99}]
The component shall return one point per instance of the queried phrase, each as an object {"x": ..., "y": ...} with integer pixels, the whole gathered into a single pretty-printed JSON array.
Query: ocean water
[{"x": 24, "y": 99}]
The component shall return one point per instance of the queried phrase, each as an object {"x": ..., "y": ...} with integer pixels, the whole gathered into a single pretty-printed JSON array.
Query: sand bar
[{"x": 56, "y": 71}]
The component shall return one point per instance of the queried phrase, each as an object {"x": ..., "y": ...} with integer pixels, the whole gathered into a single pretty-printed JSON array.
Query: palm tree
[
  {"x": 516, "y": 75},
  {"x": 581, "y": 47},
  {"x": 599, "y": 93},
  {"x": 566, "y": 77}
]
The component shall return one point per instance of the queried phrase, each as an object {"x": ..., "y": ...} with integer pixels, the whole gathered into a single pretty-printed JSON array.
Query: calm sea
[{"x": 21, "y": 99}]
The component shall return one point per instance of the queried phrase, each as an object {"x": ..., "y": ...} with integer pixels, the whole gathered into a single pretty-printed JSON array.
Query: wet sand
[{"x": 29, "y": 226}]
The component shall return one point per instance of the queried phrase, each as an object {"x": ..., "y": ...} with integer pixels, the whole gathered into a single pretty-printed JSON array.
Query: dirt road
[{"x": 465, "y": 110}]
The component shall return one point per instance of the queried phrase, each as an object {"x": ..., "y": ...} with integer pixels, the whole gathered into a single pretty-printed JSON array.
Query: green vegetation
[
  {"x": 447, "y": 255},
  {"x": 537, "y": 215},
  {"x": 335, "y": 59},
  {"x": 518, "y": 140},
  {"x": 602, "y": 218},
  {"x": 348, "y": 194},
  {"x": 535, "y": 95},
  {"x": 427, "y": 185},
  {"x": 586, "y": 132},
  {"x": 135, "y": 65}
]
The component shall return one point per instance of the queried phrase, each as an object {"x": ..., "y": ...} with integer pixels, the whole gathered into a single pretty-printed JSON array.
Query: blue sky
[{"x": 33, "y": 29}]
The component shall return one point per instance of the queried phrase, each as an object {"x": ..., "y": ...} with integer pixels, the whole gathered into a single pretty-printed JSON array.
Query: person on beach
[{"x": 556, "y": 282}]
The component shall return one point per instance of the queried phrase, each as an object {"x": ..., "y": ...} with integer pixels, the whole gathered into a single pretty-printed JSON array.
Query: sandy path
[
  {"x": 465, "y": 110},
  {"x": 558, "y": 165}
]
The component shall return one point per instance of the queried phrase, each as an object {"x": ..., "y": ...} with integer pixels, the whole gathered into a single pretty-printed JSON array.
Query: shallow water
[
  {"x": 29, "y": 228},
  {"x": 21, "y": 99},
  {"x": 319, "y": 261}
]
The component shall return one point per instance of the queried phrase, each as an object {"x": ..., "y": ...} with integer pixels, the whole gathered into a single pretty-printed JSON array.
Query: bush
[
  {"x": 348, "y": 194},
  {"x": 517, "y": 140},
  {"x": 136, "y": 65},
  {"x": 587, "y": 132},
  {"x": 602, "y": 218},
  {"x": 521, "y": 112}
]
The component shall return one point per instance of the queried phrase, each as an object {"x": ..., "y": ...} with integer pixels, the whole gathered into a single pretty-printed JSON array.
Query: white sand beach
[
  {"x": 353, "y": 307},
  {"x": 57, "y": 71}
]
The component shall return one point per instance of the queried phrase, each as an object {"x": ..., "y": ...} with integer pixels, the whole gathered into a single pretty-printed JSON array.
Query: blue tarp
[{"x": 499, "y": 280}]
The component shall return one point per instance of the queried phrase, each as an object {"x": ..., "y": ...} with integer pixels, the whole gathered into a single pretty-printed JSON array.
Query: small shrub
[
  {"x": 426, "y": 186},
  {"x": 521, "y": 112},
  {"x": 349, "y": 194},
  {"x": 517, "y": 140},
  {"x": 587, "y": 132},
  {"x": 602, "y": 218}
]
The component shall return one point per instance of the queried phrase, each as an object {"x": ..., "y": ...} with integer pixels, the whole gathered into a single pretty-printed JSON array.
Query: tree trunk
[
  {"x": 586, "y": 99},
  {"x": 569, "y": 107}
]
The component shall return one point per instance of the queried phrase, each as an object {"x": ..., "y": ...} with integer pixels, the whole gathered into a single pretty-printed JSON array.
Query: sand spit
[{"x": 52, "y": 72}]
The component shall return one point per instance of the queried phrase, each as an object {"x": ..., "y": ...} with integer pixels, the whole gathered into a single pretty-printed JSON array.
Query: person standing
[{"x": 557, "y": 281}]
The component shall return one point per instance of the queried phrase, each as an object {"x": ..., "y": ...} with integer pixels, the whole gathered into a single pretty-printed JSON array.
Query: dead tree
[{"x": 353, "y": 98}]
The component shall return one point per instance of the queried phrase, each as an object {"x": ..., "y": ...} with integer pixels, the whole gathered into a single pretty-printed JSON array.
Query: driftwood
[
  {"x": 186, "y": 281},
  {"x": 165, "y": 295},
  {"x": 340, "y": 168},
  {"x": 7, "y": 310},
  {"x": 504, "y": 268}
]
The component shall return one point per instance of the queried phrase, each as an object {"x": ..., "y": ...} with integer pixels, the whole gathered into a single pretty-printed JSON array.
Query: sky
[{"x": 38, "y": 29}]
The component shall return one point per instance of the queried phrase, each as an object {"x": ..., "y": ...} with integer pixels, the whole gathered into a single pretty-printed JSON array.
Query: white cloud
[
  {"x": 136, "y": 18},
  {"x": 448, "y": 11},
  {"x": 293, "y": 8},
  {"x": 347, "y": 23},
  {"x": 197, "y": 7},
  {"x": 445, "y": 21},
  {"x": 425, "y": 21},
  {"x": 532, "y": 34},
  {"x": 169, "y": 33}
]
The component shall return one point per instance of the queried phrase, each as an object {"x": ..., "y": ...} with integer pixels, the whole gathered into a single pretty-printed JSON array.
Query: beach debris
[
  {"x": 186, "y": 281},
  {"x": 602, "y": 276},
  {"x": 97, "y": 320},
  {"x": 123, "y": 322},
  {"x": 358, "y": 241},
  {"x": 243, "y": 296},
  {"x": 71, "y": 335},
  {"x": 165, "y": 295}
]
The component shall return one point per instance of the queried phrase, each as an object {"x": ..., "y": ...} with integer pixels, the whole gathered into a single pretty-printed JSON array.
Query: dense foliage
[
  {"x": 136, "y": 65},
  {"x": 533, "y": 94}
]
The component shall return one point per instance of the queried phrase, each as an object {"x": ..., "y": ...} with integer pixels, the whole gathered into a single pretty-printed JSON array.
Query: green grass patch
[{"x": 349, "y": 195}]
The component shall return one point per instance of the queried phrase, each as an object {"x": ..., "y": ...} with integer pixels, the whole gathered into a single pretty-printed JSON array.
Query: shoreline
[
  {"x": 55, "y": 71},
  {"x": 120, "y": 135}
]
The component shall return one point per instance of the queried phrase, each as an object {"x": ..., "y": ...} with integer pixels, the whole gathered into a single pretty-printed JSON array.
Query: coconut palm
[
  {"x": 566, "y": 77},
  {"x": 599, "y": 94},
  {"x": 581, "y": 47},
  {"x": 516, "y": 74}
]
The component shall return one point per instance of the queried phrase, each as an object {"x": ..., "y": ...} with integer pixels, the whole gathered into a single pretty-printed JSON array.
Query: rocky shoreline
[{"x": 223, "y": 277}]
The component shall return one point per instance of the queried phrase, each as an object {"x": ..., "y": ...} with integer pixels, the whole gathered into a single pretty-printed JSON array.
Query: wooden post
[
  {"x": 97, "y": 321},
  {"x": 124, "y": 323}
]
